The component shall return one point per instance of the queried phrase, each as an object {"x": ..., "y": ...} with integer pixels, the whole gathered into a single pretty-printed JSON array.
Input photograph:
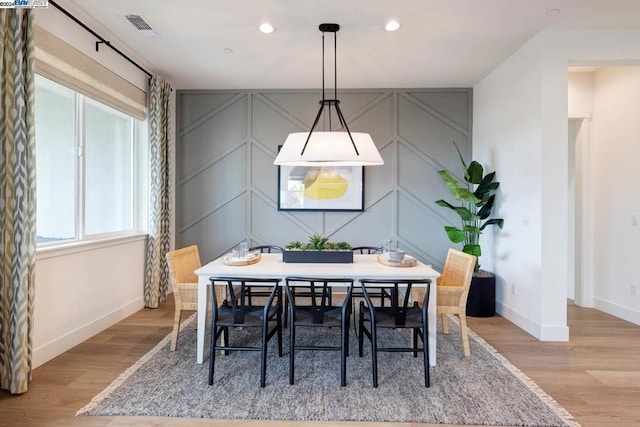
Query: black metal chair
[
  {"x": 236, "y": 311},
  {"x": 398, "y": 316},
  {"x": 367, "y": 250},
  {"x": 267, "y": 249},
  {"x": 264, "y": 249},
  {"x": 318, "y": 312},
  {"x": 376, "y": 293}
]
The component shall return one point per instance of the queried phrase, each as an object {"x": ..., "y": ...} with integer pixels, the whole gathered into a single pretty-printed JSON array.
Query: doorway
[
  {"x": 604, "y": 236},
  {"x": 579, "y": 284}
]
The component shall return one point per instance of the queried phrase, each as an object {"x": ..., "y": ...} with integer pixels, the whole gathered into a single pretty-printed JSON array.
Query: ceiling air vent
[{"x": 140, "y": 24}]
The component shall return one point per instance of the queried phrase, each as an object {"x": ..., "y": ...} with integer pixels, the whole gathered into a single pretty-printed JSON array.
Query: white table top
[{"x": 271, "y": 265}]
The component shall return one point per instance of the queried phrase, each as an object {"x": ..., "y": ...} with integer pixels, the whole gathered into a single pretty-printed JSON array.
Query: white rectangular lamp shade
[{"x": 329, "y": 149}]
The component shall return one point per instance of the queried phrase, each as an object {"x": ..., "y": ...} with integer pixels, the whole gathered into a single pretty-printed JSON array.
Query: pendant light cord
[
  {"x": 333, "y": 28},
  {"x": 335, "y": 65},
  {"x": 323, "y": 66}
]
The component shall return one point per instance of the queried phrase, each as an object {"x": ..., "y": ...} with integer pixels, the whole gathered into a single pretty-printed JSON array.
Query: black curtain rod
[{"x": 99, "y": 37}]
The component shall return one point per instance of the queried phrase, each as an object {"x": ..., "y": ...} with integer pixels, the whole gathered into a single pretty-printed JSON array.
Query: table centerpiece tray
[
  {"x": 407, "y": 261},
  {"x": 251, "y": 258}
]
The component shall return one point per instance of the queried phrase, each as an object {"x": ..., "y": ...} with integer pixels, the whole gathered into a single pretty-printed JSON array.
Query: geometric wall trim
[{"x": 226, "y": 182}]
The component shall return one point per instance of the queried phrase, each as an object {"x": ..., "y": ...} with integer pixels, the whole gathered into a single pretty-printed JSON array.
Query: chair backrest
[
  {"x": 458, "y": 271},
  {"x": 367, "y": 250},
  {"x": 182, "y": 264},
  {"x": 239, "y": 291},
  {"x": 317, "y": 291},
  {"x": 266, "y": 249},
  {"x": 400, "y": 292}
]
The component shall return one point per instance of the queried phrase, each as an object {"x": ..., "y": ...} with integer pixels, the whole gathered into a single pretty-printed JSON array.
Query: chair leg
[
  {"x": 374, "y": 353},
  {"x": 465, "y": 335},
  {"x": 176, "y": 329},
  {"x": 212, "y": 355},
  {"x": 279, "y": 326},
  {"x": 425, "y": 351},
  {"x": 445, "y": 323},
  {"x": 348, "y": 325},
  {"x": 292, "y": 351},
  {"x": 344, "y": 350},
  {"x": 415, "y": 342},
  {"x": 225, "y": 339},
  {"x": 360, "y": 330},
  {"x": 286, "y": 311},
  {"x": 263, "y": 353}
]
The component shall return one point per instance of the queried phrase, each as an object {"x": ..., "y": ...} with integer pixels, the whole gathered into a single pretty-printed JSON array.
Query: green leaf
[
  {"x": 465, "y": 214},
  {"x": 485, "y": 211},
  {"x": 483, "y": 187},
  {"x": 455, "y": 234},
  {"x": 472, "y": 250},
  {"x": 452, "y": 183},
  {"x": 495, "y": 221},
  {"x": 445, "y": 204},
  {"x": 467, "y": 196},
  {"x": 474, "y": 173},
  {"x": 464, "y": 165}
]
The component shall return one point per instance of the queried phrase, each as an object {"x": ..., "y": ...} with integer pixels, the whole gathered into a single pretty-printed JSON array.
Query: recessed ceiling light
[
  {"x": 267, "y": 28},
  {"x": 553, "y": 12},
  {"x": 392, "y": 26}
]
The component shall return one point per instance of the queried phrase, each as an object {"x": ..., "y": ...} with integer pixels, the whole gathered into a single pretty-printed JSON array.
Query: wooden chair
[
  {"x": 399, "y": 315},
  {"x": 236, "y": 312},
  {"x": 453, "y": 290},
  {"x": 310, "y": 306},
  {"x": 182, "y": 264}
]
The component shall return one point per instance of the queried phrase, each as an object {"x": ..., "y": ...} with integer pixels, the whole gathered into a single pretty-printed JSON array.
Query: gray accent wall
[{"x": 226, "y": 183}]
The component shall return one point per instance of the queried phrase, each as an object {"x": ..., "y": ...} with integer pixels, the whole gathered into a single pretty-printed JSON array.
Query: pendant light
[{"x": 333, "y": 147}]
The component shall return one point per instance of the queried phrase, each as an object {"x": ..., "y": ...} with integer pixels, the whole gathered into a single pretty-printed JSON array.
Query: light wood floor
[{"x": 595, "y": 376}]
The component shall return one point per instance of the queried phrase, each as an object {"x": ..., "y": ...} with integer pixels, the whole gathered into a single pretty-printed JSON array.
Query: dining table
[{"x": 271, "y": 265}]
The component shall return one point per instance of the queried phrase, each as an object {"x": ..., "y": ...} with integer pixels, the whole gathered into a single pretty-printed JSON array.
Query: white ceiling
[{"x": 442, "y": 43}]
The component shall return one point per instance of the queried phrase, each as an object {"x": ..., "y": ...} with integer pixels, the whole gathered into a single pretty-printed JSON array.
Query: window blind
[{"x": 59, "y": 61}]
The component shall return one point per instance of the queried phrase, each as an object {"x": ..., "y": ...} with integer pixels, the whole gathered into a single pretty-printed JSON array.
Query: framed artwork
[{"x": 327, "y": 188}]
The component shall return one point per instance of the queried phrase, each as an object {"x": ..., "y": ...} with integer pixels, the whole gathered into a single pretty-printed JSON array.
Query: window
[{"x": 85, "y": 157}]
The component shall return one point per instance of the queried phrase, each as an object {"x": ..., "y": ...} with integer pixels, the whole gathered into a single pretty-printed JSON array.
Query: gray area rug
[{"x": 484, "y": 389}]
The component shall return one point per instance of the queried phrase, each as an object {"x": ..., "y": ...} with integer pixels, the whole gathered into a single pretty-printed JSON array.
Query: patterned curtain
[
  {"x": 17, "y": 198},
  {"x": 156, "y": 281}
]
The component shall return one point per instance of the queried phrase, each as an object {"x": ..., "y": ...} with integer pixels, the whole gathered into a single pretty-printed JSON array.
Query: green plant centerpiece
[
  {"x": 475, "y": 198},
  {"x": 318, "y": 249}
]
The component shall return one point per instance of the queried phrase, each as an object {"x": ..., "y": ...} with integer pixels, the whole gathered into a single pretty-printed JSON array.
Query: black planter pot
[
  {"x": 482, "y": 296},
  {"x": 344, "y": 257}
]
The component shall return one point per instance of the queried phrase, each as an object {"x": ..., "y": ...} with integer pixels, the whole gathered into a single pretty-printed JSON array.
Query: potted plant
[
  {"x": 319, "y": 249},
  {"x": 475, "y": 198}
]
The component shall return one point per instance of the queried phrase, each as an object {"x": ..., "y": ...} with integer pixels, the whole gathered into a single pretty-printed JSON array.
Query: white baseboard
[
  {"x": 543, "y": 333},
  {"x": 54, "y": 348},
  {"x": 617, "y": 310},
  {"x": 518, "y": 319}
]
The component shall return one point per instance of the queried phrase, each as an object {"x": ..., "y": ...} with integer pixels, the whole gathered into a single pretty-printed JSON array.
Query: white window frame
[{"x": 82, "y": 239}]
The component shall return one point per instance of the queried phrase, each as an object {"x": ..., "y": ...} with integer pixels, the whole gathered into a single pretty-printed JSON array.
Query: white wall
[
  {"x": 81, "y": 291},
  {"x": 615, "y": 152},
  {"x": 522, "y": 107},
  {"x": 84, "y": 289},
  {"x": 580, "y": 94},
  {"x": 506, "y": 131}
]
